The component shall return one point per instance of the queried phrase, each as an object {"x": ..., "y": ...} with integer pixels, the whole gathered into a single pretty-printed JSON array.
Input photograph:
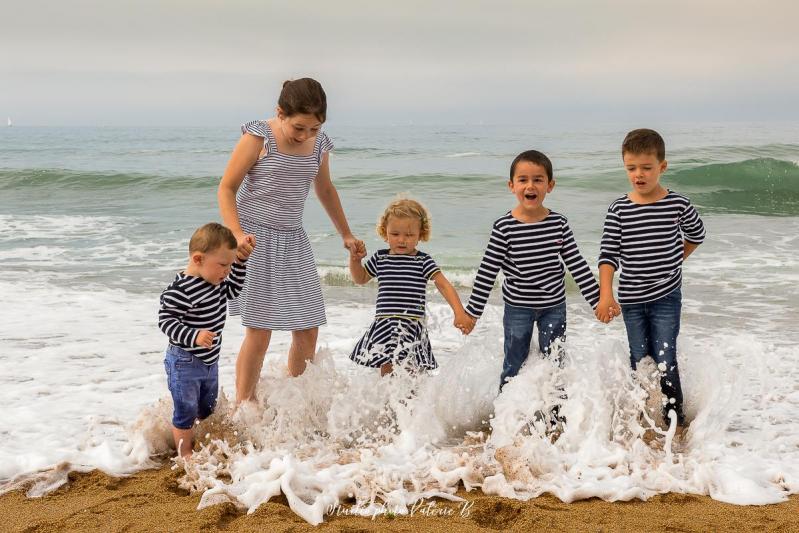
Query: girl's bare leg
[
  {"x": 250, "y": 361},
  {"x": 303, "y": 349}
]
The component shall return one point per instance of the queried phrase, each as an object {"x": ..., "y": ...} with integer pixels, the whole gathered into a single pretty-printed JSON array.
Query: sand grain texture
[{"x": 152, "y": 501}]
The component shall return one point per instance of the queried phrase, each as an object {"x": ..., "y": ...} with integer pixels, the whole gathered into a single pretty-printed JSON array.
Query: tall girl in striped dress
[
  {"x": 261, "y": 199},
  {"x": 398, "y": 335}
]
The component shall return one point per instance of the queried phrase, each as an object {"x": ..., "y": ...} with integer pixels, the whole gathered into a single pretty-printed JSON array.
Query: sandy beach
[{"x": 152, "y": 501}]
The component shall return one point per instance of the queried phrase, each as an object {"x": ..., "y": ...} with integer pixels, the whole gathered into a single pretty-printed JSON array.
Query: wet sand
[{"x": 152, "y": 501}]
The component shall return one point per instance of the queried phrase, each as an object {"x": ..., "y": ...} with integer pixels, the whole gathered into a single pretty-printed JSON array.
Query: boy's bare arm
[
  {"x": 688, "y": 249},
  {"x": 607, "y": 308}
]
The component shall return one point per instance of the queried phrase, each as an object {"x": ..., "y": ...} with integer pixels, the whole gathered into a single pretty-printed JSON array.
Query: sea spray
[{"x": 340, "y": 434}]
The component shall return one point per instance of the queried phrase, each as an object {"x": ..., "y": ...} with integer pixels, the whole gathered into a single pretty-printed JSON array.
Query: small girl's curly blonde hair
[{"x": 405, "y": 208}]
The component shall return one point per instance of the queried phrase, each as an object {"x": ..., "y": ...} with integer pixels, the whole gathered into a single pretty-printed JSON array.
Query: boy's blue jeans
[
  {"x": 193, "y": 384},
  {"x": 518, "y": 323},
  {"x": 652, "y": 329}
]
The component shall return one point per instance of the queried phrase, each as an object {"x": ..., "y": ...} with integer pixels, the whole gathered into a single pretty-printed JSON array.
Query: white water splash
[{"x": 341, "y": 434}]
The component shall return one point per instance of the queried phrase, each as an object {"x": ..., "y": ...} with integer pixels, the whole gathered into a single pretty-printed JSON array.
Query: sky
[{"x": 213, "y": 63}]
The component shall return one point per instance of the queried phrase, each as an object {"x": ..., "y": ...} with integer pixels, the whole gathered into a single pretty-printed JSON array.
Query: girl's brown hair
[
  {"x": 303, "y": 96},
  {"x": 405, "y": 208}
]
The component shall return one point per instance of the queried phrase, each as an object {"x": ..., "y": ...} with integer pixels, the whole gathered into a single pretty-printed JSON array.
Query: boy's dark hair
[
  {"x": 644, "y": 141},
  {"x": 211, "y": 236},
  {"x": 535, "y": 157},
  {"x": 303, "y": 96}
]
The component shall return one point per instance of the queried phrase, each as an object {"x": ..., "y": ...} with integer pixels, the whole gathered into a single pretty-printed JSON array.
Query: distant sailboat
[{"x": 9, "y": 122}]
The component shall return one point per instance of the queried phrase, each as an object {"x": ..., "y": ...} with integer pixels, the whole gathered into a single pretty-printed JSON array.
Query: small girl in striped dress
[{"x": 398, "y": 335}]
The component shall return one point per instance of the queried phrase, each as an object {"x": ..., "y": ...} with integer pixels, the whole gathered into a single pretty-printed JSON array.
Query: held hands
[
  {"x": 245, "y": 247},
  {"x": 355, "y": 246},
  {"x": 607, "y": 309},
  {"x": 464, "y": 322},
  {"x": 357, "y": 249},
  {"x": 205, "y": 338}
]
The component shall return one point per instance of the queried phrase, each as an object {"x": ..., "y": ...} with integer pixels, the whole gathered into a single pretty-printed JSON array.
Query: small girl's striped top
[
  {"x": 191, "y": 304},
  {"x": 531, "y": 256},
  {"x": 401, "y": 282},
  {"x": 645, "y": 242}
]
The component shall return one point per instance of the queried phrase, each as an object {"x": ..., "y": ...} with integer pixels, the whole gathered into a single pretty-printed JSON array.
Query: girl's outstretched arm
[
  {"x": 328, "y": 197},
  {"x": 244, "y": 156},
  {"x": 462, "y": 321},
  {"x": 358, "y": 272}
]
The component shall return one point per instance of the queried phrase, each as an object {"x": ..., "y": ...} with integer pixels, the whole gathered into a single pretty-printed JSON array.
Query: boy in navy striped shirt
[
  {"x": 530, "y": 244},
  {"x": 648, "y": 234},
  {"x": 192, "y": 314}
]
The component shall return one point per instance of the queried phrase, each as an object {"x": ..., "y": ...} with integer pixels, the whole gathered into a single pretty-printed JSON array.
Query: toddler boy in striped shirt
[
  {"x": 530, "y": 244},
  {"x": 192, "y": 314},
  {"x": 648, "y": 234}
]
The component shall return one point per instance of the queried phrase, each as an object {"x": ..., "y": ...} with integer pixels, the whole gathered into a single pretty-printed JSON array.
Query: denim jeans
[
  {"x": 193, "y": 384},
  {"x": 518, "y": 323},
  {"x": 652, "y": 330}
]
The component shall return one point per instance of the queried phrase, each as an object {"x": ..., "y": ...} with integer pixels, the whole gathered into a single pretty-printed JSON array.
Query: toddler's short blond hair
[
  {"x": 211, "y": 236},
  {"x": 405, "y": 208}
]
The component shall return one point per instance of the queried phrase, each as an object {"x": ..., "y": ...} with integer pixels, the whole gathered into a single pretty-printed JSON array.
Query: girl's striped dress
[
  {"x": 282, "y": 289},
  {"x": 398, "y": 334}
]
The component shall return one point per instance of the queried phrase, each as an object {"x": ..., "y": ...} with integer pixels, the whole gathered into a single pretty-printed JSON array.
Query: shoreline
[{"x": 150, "y": 500}]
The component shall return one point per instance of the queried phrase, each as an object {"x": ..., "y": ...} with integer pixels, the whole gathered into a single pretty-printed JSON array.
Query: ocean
[{"x": 94, "y": 222}]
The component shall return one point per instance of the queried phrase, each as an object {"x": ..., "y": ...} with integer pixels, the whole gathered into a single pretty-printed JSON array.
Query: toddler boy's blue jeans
[
  {"x": 652, "y": 330},
  {"x": 518, "y": 323},
  {"x": 193, "y": 384}
]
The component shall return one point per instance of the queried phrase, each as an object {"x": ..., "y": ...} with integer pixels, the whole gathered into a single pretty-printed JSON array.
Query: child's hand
[
  {"x": 245, "y": 248},
  {"x": 464, "y": 322},
  {"x": 205, "y": 338},
  {"x": 357, "y": 251},
  {"x": 607, "y": 309}
]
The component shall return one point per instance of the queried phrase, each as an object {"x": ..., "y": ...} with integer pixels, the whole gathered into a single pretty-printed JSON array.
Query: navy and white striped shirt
[
  {"x": 531, "y": 256},
  {"x": 645, "y": 242},
  {"x": 401, "y": 282},
  {"x": 191, "y": 304}
]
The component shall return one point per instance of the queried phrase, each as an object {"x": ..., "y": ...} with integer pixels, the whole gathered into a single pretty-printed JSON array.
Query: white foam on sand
[{"x": 86, "y": 389}]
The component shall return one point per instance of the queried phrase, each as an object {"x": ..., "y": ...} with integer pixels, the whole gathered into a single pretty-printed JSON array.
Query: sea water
[{"x": 94, "y": 222}]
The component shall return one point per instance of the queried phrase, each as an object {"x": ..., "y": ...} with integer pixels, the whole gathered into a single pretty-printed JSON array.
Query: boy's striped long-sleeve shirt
[
  {"x": 191, "y": 304},
  {"x": 531, "y": 257},
  {"x": 645, "y": 242}
]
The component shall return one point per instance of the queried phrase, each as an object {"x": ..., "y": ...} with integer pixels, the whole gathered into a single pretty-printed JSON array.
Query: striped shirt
[
  {"x": 645, "y": 242},
  {"x": 274, "y": 189},
  {"x": 401, "y": 282},
  {"x": 191, "y": 304},
  {"x": 531, "y": 257}
]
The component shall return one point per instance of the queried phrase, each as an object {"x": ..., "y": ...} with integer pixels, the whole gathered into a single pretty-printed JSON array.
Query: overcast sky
[{"x": 201, "y": 62}]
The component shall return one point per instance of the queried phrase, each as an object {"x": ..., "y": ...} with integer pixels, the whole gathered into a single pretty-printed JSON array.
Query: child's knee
[
  {"x": 305, "y": 337},
  {"x": 206, "y": 405},
  {"x": 184, "y": 413},
  {"x": 258, "y": 337},
  {"x": 185, "y": 400}
]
